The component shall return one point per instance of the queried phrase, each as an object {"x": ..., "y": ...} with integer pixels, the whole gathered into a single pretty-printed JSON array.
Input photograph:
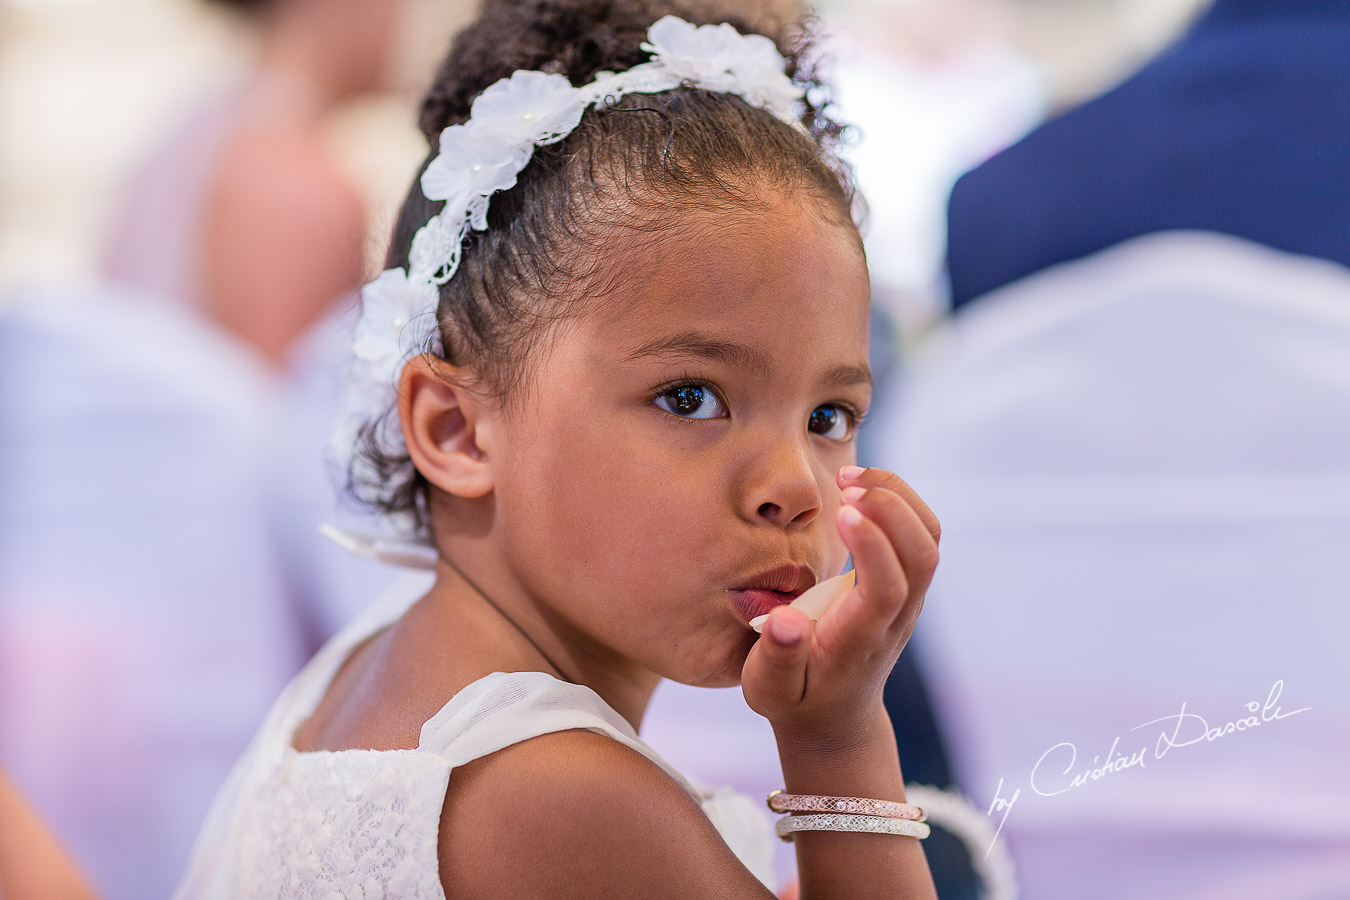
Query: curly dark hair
[{"x": 630, "y": 167}]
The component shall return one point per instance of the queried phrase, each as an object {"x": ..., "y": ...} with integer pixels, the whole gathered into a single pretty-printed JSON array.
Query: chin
[
  {"x": 723, "y": 672},
  {"x": 719, "y": 680}
]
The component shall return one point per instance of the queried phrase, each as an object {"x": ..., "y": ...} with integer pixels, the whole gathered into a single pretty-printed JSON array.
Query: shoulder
[
  {"x": 1048, "y": 198},
  {"x": 578, "y": 814},
  {"x": 264, "y": 174}
]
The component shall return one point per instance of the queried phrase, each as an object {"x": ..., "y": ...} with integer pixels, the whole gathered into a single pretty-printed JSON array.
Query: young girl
[{"x": 643, "y": 304}]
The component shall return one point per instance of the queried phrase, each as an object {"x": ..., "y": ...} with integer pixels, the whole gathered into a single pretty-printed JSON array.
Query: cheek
[
  {"x": 644, "y": 510},
  {"x": 608, "y": 502}
]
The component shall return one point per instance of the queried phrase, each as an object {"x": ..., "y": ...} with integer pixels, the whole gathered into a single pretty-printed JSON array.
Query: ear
[{"x": 444, "y": 427}]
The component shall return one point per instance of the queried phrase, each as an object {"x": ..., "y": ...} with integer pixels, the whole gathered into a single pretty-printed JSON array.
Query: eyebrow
[
  {"x": 692, "y": 344},
  {"x": 738, "y": 354},
  {"x": 847, "y": 376}
]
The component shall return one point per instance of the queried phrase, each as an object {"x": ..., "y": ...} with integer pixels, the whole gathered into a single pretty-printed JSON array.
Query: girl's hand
[{"x": 821, "y": 683}]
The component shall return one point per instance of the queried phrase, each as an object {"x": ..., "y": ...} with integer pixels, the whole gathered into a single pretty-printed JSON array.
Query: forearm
[
  {"x": 32, "y": 864},
  {"x": 850, "y": 864}
]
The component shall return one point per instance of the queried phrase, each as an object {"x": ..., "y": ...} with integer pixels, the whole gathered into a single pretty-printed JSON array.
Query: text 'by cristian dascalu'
[{"x": 1057, "y": 771}]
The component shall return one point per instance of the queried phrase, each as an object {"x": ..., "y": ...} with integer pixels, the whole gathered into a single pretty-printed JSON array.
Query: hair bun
[{"x": 576, "y": 38}]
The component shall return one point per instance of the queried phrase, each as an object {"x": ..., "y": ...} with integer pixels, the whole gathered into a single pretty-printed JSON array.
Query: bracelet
[
  {"x": 780, "y": 802},
  {"x": 850, "y": 822}
]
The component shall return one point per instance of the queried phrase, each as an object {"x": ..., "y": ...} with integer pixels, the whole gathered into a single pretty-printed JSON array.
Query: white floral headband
[{"x": 485, "y": 154}]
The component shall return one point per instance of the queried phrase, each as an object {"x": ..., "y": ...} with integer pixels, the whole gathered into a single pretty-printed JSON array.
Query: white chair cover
[
  {"x": 155, "y": 595},
  {"x": 1142, "y": 466}
]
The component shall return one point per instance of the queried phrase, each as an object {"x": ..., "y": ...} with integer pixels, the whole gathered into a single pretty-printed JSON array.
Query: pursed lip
[
  {"x": 785, "y": 579},
  {"x": 769, "y": 589}
]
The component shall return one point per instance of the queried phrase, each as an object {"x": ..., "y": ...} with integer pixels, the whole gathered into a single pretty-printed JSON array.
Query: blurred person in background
[
  {"x": 1135, "y": 426},
  {"x": 243, "y": 214},
  {"x": 161, "y": 469},
  {"x": 1241, "y": 128}
]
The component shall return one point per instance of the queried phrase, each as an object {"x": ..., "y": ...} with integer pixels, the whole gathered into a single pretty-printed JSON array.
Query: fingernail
[
  {"x": 851, "y": 473},
  {"x": 850, "y": 515},
  {"x": 785, "y": 630},
  {"x": 854, "y": 494}
]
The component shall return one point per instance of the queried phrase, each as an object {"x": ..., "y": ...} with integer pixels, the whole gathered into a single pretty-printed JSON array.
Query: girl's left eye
[
  {"x": 691, "y": 401},
  {"x": 833, "y": 422}
]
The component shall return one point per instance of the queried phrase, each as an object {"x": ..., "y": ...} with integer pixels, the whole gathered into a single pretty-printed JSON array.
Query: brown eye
[
  {"x": 831, "y": 422},
  {"x": 691, "y": 401}
]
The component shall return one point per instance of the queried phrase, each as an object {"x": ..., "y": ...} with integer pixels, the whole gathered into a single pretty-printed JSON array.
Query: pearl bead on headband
[{"x": 484, "y": 156}]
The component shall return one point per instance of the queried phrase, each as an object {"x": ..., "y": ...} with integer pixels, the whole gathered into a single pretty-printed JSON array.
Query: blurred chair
[
  {"x": 149, "y": 608},
  {"x": 1142, "y": 466}
]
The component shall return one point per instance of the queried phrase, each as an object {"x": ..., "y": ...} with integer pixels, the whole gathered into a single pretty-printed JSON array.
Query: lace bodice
[{"x": 363, "y": 824}]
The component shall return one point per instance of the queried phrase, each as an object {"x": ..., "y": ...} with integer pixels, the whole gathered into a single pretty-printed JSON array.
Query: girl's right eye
[{"x": 691, "y": 401}]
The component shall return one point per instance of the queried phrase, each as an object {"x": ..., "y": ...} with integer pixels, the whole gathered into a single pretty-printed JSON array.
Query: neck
[{"x": 504, "y": 629}]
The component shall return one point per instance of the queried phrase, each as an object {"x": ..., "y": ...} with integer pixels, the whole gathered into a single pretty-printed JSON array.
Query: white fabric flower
[
  {"x": 529, "y": 108},
  {"x": 759, "y": 69},
  {"x": 474, "y": 161},
  {"x": 703, "y": 54},
  {"x": 397, "y": 316},
  {"x": 484, "y": 155},
  {"x": 719, "y": 58},
  {"x": 365, "y": 399}
]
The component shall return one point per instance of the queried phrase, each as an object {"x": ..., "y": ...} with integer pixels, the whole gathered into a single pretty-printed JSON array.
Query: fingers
[
  {"x": 782, "y": 651},
  {"x": 893, "y": 536},
  {"x": 905, "y": 529},
  {"x": 882, "y": 586},
  {"x": 850, "y": 476}
]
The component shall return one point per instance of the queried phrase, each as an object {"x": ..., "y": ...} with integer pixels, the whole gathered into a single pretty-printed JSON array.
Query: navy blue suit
[{"x": 1242, "y": 127}]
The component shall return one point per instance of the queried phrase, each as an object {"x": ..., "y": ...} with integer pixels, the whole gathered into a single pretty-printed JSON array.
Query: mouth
[{"x": 770, "y": 589}]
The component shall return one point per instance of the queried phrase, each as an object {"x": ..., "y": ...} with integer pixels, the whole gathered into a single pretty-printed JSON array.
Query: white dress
[{"x": 363, "y": 824}]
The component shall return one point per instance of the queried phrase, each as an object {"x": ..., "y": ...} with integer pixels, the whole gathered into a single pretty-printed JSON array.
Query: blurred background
[
  {"x": 89, "y": 87},
  {"x": 1135, "y": 448}
]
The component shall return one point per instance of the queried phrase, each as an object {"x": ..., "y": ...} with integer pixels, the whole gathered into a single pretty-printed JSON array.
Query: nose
[{"x": 782, "y": 489}]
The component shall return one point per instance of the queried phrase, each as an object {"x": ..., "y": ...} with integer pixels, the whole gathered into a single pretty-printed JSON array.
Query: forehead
[{"x": 777, "y": 275}]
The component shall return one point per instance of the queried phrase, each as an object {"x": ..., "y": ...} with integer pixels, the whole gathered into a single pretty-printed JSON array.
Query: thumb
[{"x": 783, "y": 651}]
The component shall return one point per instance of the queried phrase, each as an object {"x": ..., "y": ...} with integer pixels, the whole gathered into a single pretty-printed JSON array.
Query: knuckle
[
  {"x": 894, "y": 504},
  {"x": 869, "y": 532},
  {"x": 926, "y": 556},
  {"x": 883, "y": 505},
  {"x": 880, "y": 495},
  {"x": 895, "y": 590}
]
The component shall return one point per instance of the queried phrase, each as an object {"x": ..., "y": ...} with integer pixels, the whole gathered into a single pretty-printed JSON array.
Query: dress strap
[{"x": 505, "y": 708}]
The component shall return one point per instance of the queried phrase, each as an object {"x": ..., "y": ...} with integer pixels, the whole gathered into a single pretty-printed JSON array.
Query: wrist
[
  {"x": 861, "y": 761},
  {"x": 840, "y": 737}
]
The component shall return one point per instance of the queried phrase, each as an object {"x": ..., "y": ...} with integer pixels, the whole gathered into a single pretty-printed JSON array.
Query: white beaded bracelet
[{"x": 848, "y": 822}]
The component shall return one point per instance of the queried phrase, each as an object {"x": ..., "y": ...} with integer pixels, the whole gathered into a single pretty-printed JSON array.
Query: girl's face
[{"x": 679, "y": 444}]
